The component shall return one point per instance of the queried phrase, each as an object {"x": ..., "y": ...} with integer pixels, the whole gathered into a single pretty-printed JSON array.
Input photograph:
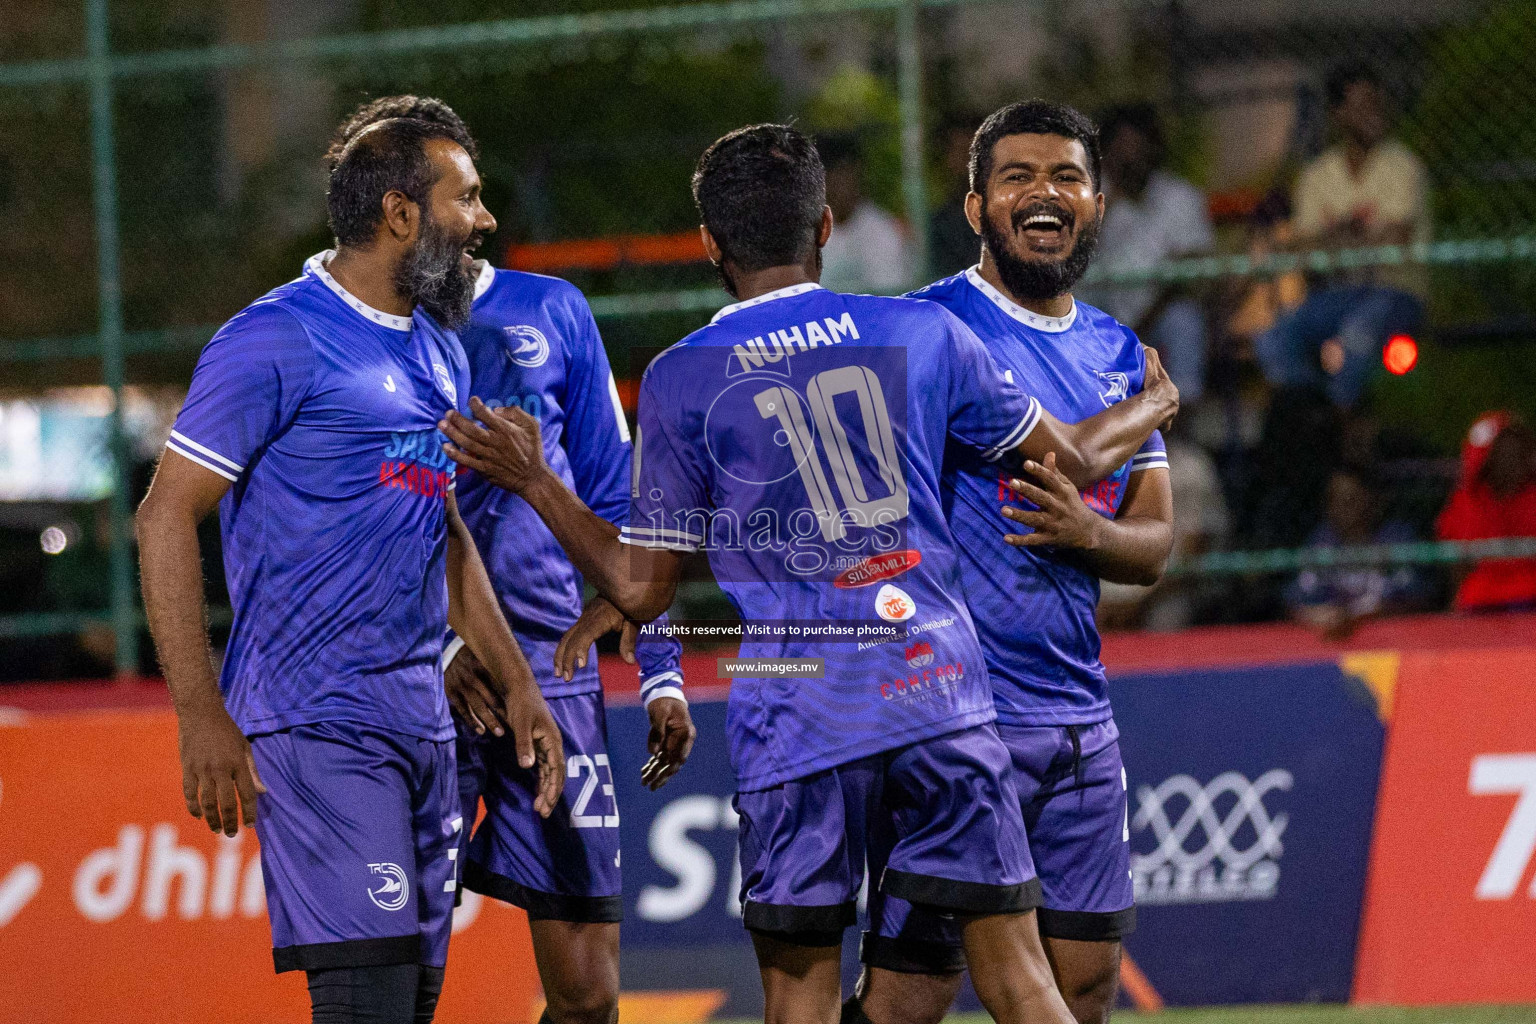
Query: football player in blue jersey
[
  {"x": 1032, "y": 578},
  {"x": 798, "y": 439},
  {"x": 311, "y": 425},
  {"x": 532, "y": 343}
]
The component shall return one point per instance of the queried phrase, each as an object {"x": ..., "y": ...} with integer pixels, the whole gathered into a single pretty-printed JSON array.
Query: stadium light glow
[{"x": 1400, "y": 354}]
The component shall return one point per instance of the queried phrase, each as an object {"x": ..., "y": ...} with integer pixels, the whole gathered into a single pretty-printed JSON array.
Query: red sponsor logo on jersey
[
  {"x": 1103, "y": 497},
  {"x": 919, "y": 654},
  {"x": 919, "y": 684},
  {"x": 408, "y": 476},
  {"x": 876, "y": 568}
]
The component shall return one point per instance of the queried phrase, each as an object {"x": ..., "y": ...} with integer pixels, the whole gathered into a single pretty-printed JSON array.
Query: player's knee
[
  {"x": 592, "y": 1003},
  {"x": 890, "y": 998},
  {"x": 1092, "y": 996}
]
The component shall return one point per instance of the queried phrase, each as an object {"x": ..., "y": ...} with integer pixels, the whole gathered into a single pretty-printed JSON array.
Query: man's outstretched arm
[
  {"x": 506, "y": 449},
  {"x": 218, "y": 774},
  {"x": 1089, "y": 451},
  {"x": 475, "y": 614}
]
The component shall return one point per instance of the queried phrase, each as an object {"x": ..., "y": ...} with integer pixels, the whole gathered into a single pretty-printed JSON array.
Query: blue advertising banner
[{"x": 1252, "y": 793}]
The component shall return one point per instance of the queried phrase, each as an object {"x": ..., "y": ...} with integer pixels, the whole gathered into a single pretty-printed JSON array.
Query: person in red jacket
[{"x": 1495, "y": 497}]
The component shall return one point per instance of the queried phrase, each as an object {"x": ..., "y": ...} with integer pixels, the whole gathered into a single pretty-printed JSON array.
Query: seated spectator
[
  {"x": 1200, "y": 524},
  {"x": 1336, "y": 600},
  {"x": 1151, "y": 216},
  {"x": 1495, "y": 497},
  {"x": 1367, "y": 190},
  {"x": 868, "y": 250}
]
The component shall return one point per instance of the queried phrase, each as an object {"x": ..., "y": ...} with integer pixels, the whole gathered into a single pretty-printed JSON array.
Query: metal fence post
[
  {"x": 914, "y": 185},
  {"x": 109, "y": 290}
]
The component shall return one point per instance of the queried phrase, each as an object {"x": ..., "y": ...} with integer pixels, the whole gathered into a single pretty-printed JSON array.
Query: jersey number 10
[{"x": 858, "y": 508}]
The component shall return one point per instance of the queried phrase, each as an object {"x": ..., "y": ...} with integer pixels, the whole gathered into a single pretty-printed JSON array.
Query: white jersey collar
[
  {"x": 777, "y": 293},
  {"x": 316, "y": 266},
  {"x": 484, "y": 277},
  {"x": 1049, "y": 324}
]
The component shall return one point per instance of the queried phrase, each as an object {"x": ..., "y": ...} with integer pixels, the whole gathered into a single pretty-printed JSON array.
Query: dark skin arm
[
  {"x": 1087, "y": 452},
  {"x": 505, "y": 448},
  {"x": 218, "y": 774},
  {"x": 475, "y": 614},
  {"x": 671, "y": 735},
  {"x": 1131, "y": 548}
]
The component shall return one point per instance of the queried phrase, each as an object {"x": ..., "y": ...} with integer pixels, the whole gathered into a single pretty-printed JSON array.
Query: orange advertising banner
[
  {"x": 115, "y": 905},
  {"x": 1450, "y": 910}
]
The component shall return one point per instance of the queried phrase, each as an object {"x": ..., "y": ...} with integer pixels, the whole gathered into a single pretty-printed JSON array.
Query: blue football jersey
[
  {"x": 531, "y": 342},
  {"x": 323, "y": 413},
  {"x": 1034, "y": 607},
  {"x": 797, "y": 439}
]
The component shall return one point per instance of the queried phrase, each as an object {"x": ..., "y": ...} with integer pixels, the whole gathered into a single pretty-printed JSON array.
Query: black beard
[
  {"x": 1037, "y": 279},
  {"x": 432, "y": 273}
]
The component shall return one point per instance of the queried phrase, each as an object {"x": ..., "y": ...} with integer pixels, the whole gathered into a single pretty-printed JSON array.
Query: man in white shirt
[
  {"x": 868, "y": 250},
  {"x": 1151, "y": 216},
  {"x": 1368, "y": 189}
]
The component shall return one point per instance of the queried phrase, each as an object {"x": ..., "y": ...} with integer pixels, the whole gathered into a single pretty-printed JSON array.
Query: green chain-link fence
[{"x": 159, "y": 169}]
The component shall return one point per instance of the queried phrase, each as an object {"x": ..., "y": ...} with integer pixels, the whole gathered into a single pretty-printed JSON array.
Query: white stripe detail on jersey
[
  {"x": 1140, "y": 463},
  {"x": 618, "y": 408},
  {"x": 226, "y": 474},
  {"x": 1027, "y": 317},
  {"x": 659, "y": 678},
  {"x": 777, "y": 293},
  {"x": 664, "y": 691},
  {"x": 450, "y": 652},
  {"x": 215, "y": 456},
  {"x": 661, "y": 532},
  {"x": 1026, "y": 427},
  {"x": 625, "y": 537}
]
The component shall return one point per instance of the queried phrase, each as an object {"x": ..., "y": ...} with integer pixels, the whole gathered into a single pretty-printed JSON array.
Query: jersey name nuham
[
  {"x": 798, "y": 440},
  {"x": 781, "y": 344}
]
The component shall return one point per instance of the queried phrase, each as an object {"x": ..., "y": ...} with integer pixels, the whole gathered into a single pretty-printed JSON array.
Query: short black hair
[
  {"x": 760, "y": 191},
  {"x": 1336, "y": 85},
  {"x": 387, "y": 156},
  {"x": 421, "y": 108},
  {"x": 1032, "y": 117},
  {"x": 1141, "y": 118}
]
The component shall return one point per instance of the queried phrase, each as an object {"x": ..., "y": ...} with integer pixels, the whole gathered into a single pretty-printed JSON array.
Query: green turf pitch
[{"x": 1308, "y": 1015}]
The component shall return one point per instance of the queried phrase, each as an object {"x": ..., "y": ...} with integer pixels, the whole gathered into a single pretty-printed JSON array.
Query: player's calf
[
  {"x": 1088, "y": 974},
  {"x": 893, "y": 997},
  {"x": 579, "y": 967}
]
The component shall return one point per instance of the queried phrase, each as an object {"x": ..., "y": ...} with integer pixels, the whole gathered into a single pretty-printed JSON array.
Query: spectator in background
[
  {"x": 1495, "y": 497},
  {"x": 868, "y": 250},
  {"x": 1200, "y": 524},
  {"x": 1151, "y": 216},
  {"x": 1336, "y": 600},
  {"x": 953, "y": 244},
  {"x": 1368, "y": 189}
]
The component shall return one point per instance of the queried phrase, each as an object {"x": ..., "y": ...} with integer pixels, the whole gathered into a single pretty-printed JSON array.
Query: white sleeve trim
[
  {"x": 647, "y": 537},
  {"x": 1149, "y": 460},
  {"x": 451, "y": 651},
  {"x": 661, "y": 677},
  {"x": 664, "y": 691},
  {"x": 618, "y": 408},
  {"x": 226, "y": 474},
  {"x": 1026, "y": 427},
  {"x": 215, "y": 456}
]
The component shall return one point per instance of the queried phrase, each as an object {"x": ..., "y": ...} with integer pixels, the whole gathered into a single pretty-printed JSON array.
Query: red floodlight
[{"x": 1400, "y": 354}]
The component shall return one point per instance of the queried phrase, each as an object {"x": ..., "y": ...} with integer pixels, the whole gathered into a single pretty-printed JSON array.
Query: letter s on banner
[{"x": 690, "y": 863}]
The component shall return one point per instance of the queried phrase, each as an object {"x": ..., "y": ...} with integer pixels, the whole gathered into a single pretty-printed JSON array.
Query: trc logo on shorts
[
  {"x": 394, "y": 889},
  {"x": 1216, "y": 843}
]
